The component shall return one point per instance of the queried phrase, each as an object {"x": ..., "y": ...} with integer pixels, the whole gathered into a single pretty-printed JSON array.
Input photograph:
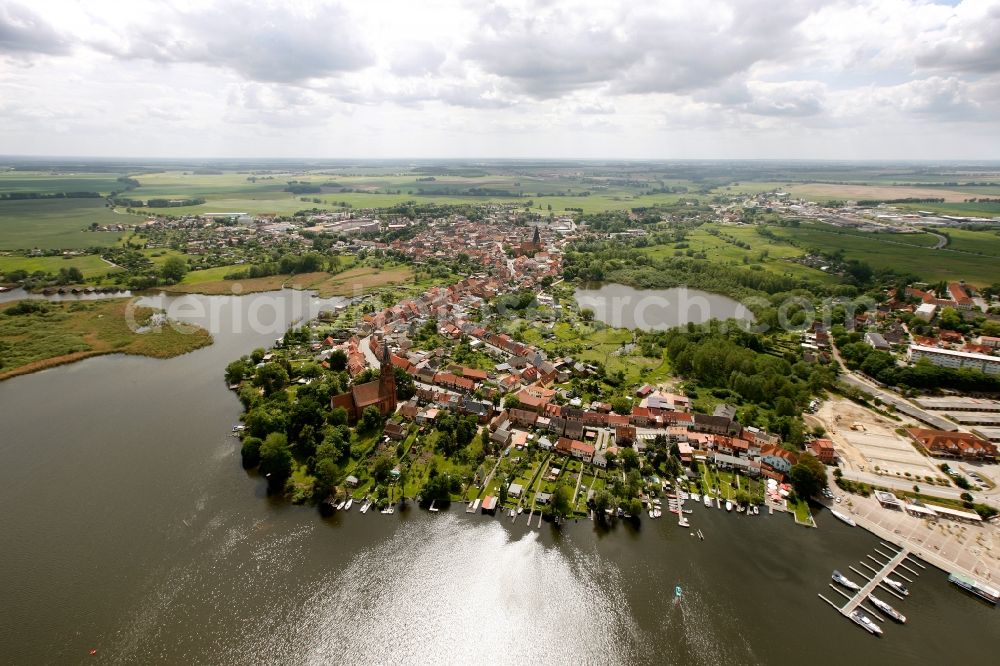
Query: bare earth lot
[{"x": 872, "y": 441}]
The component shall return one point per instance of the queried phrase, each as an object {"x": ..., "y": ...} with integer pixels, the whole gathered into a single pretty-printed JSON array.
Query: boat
[
  {"x": 898, "y": 587},
  {"x": 520, "y": 510},
  {"x": 349, "y": 504},
  {"x": 887, "y": 609},
  {"x": 845, "y": 581},
  {"x": 651, "y": 513},
  {"x": 972, "y": 586},
  {"x": 729, "y": 505},
  {"x": 756, "y": 510},
  {"x": 677, "y": 592},
  {"x": 511, "y": 513},
  {"x": 844, "y": 517},
  {"x": 340, "y": 505},
  {"x": 432, "y": 508},
  {"x": 657, "y": 513},
  {"x": 866, "y": 623},
  {"x": 389, "y": 510},
  {"x": 683, "y": 522},
  {"x": 364, "y": 507},
  {"x": 708, "y": 502},
  {"x": 696, "y": 497},
  {"x": 740, "y": 508},
  {"x": 470, "y": 507}
]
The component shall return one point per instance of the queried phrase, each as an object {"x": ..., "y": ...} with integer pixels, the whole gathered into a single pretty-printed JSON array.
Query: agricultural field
[
  {"x": 91, "y": 265},
  {"x": 765, "y": 253},
  {"x": 45, "y": 182},
  {"x": 977, "y": 242},
  {"x": 57, "y": 224},
  {"x": 355, "y": 281},
  {"x": 880, "y": 252}
]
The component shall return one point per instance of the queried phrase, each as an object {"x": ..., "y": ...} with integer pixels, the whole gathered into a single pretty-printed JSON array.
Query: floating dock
[{"x": 875, "y": 579}]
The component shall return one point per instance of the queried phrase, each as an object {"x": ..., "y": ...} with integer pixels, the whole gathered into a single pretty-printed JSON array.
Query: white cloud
[{"x": 664, "y": 78}]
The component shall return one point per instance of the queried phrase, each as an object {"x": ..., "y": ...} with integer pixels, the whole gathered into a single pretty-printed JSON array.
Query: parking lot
[{"x": 868, "y": 442}]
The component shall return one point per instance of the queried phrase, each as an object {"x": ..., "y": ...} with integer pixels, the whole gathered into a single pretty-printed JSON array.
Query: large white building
[{"x": 948, "y": 358}]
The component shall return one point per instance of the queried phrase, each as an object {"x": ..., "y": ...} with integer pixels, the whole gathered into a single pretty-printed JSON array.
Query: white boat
[
  {"x": 897, "y": 586},
  {"x": 520, "y": 510},
  {"x": 866, "y": 623},
  {"x": 845, "y": 581},
  {"x": 756, "y": 509},
  {"x": 651, "y": 514},
  {"x": 696, "y": 497},
  {"x": 729, "y": 505},
  {"x": 433, "y": 509},
  {"x": 349, "y": 504},
  {"x": 657, "y": 513},
  {"x": 683, "y": 522},
  {"x": 887, "y": 609},
  {"x": 470, "y": 507},
  {"x": 844, "y": 517},
  {"x": 388, "y": 510},
  {"x": 340, "y": 505},
  {"x": 364, "y": 507},
  {"x": 740, "y": 508},
  {"x": 708, "y": 501}
]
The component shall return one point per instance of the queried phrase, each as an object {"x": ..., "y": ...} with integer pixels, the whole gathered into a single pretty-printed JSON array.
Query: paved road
[{"x": 903, "y": 406}]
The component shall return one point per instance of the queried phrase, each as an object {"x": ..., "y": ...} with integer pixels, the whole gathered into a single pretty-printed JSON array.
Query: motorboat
[
  {"x": 866, "y": 623},
  {"x": 844, "y": 517},
  {"x": 896, "y": 586},
  {"x": 708, "y": 502},
  {"x": 845, "y": 581},
  {"x": 887, "y": 609},
  {"x": 340, "y": 505},
  {"x": 349, "y": 504},
  {"x": 729, "y": 505}
]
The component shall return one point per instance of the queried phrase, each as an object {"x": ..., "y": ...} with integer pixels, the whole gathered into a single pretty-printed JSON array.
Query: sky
[{"x": 711, "y": 79}]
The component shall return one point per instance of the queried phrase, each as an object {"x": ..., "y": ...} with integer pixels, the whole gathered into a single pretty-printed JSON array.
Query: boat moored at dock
[
  {"x": 973, "y": 586},
  {"x": 887, "y": 609},
  {"x": 844, "y": 517},
  {"x": 866, "y": 623},
  {"x": 896, "y": 586},
  {"x": 845, "y": 581}
]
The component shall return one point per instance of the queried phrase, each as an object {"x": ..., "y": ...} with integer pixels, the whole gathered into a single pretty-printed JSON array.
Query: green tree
[
  {"x": 370, "y": 418},
  {"x": 275, "y": 460},
  {"x": 635, "y": 507},
  {"x": 382, "y": 467},
  {"x": 250, "y": 452},
  {"x": 629, "y": 459},
  {"x": 621, "y": 405},
  {"x": 808, "y": 476},
  {"x": 237, "y": 370},
  {"x": 338, "y": 360},
  {"x": 174, "y": 269},
  {"x": 561, "y": 506},
  {"x": 271, "y": 377}
]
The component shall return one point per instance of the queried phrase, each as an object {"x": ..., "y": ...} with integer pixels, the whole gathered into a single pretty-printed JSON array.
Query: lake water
[
  {"x": 658, "y": 309},
  {"x": 129, "y": 526}
]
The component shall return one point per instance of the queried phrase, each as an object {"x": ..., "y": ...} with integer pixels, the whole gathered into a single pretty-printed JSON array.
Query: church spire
[{"x": 536, "y": 240}]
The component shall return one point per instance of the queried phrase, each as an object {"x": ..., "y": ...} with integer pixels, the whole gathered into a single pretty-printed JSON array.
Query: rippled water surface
[{"x": 128, "y": 526}]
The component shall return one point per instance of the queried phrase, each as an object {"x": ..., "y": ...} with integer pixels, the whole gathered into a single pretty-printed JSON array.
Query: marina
[{"x": 853, "y": 609}]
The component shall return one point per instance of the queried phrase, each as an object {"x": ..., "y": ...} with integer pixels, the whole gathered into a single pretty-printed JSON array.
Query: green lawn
[
  {"x": 91, "y": 265},
  {"x": 929, "y": 264},
  {"x": 57, "y": 224}
]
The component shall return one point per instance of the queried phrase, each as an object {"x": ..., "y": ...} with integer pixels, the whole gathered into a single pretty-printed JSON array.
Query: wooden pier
[{"x": 874, "y": 580}]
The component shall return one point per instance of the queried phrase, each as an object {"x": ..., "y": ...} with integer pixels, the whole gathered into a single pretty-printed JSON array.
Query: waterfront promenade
[{"x": 971, "y": 549}]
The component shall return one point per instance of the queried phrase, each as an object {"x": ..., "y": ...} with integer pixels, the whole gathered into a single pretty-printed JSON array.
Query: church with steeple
[
  {"x": 532, "y": 248},
  {"x": 379, "y": 392}
]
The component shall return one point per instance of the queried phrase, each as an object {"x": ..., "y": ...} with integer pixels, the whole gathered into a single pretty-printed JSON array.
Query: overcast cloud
[{"x": 853, "y": 79}]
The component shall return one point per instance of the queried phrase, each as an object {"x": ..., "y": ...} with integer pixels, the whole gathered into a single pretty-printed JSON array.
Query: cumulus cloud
[
  {"x": 260, "y": 41},
  {"x": 23, "y": 31},
  {"x": 555, "y": 71}
]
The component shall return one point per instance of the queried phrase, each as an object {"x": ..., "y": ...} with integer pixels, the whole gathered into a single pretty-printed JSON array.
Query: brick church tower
[{"x": 387, "y": 380}]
